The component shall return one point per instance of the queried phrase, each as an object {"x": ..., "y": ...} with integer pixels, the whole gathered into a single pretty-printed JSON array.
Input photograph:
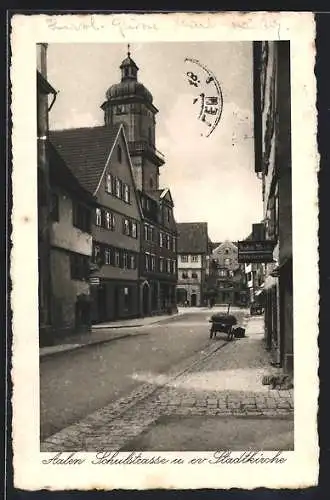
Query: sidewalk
[{"x": 105, "y": 332}]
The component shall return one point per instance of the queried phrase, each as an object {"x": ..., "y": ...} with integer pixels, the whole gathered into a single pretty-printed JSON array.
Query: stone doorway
[{"x": 193, "y": 300}]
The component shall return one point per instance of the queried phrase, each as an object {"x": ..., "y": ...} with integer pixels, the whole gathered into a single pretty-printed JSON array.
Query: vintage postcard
[{"x": 164, "y": 261}]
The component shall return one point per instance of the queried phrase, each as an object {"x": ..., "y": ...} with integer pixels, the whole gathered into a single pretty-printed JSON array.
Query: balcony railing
[{"x": 141, "y": 146}]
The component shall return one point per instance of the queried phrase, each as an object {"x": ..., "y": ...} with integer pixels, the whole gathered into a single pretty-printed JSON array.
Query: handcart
[{"x": 223, "y": 322}]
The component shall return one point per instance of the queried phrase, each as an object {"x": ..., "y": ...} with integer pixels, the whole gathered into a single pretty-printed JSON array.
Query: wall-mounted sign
[{"x": 250, "y": 251}]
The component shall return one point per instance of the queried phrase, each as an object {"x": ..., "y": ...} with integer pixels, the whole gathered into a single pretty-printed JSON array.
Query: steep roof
[
  {"x": 216, "y": 244},
  {"x": 60, "y": 175},
  {"x": 85, "y": 151},
  {"x": 192, "y": 237}
]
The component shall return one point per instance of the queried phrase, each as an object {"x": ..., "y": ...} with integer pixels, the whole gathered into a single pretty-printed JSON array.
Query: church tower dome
[
  {"x": 130, "y": 103},
  {"x": 129, "y": 85}
]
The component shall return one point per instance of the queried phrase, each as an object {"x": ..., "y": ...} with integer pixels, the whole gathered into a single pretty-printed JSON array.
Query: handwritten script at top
[
  {"x": 124, "y": 25},
  {"x": 132, "y": 24},
  {"x": 86, "y": 24}
]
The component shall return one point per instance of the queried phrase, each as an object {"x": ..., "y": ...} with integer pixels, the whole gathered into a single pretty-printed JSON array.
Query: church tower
[{"x": 130, "y": 103}]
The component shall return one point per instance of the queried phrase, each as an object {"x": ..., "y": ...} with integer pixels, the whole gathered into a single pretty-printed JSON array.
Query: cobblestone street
[{"x": 212, "y": 399}]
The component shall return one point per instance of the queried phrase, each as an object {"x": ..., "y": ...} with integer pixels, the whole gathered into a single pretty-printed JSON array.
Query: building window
[
  {"x": 168, "y": 242},
  {"x": 117, "y": 258},
  {"x": 118, "y": 188},
  {"x": 109, "y": 220},
  {"x": 98, "y": 213},
  {"x": 146, "y": 232},
  {"x": 226, "y": 251},
  {"x": 81, "y": 217},
  {"x": 79, "y": 266},
  {"x": 109, "y": 184},
  {"x": 174, "y": 266},
  {"x": 126, "y": 227},
  {"x": 133, "y": 261},
  {"x": 173, "y": 245},
  {"x": 184, "y": 258},
  {"x": 161, "y": 264},
  {"x": 168, "y": 265},
  {"x": 153, "y": 263},
  {"x": 149, "y": 232},
  {"x": 107, "y": 256},
  {"x": 134, "y": 229},
  {"x": 151, "y": 183},
  {"x": 119, "y": 154},
  {"x": 161, "y": 239},
  {"x": 127, "y": 197},
  {"x": 184, "y": 275},
  {"x": 96, "y": 254},
  {"x": 125, "y": 260},
  {"x": 54, "y": 208},
  {"x": 194, "y": 275},
  {"x": 147, "y": 262},
  {"x": 227, "y": 262},
  {"x": 194, "y": 258}
]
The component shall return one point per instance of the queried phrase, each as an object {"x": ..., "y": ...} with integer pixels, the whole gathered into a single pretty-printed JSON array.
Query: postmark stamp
[
  {"x": 97, "y": 201},
  {"x": 209, "y": 99}
]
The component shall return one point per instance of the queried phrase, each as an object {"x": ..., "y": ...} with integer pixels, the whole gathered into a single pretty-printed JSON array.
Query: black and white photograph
[{"x": 168, "y": 266}]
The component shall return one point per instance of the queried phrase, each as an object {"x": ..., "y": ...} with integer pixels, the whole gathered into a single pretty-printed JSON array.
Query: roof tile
[
  {"x": 192, "y": 237},
  {"x": 85, "y": 151}
]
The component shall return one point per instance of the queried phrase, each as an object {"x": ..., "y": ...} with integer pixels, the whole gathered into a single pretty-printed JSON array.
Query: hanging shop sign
[{"x": 250, "y": 251}]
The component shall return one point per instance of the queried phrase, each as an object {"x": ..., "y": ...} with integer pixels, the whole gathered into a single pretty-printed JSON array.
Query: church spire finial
[{"x": 128, "y": 50}]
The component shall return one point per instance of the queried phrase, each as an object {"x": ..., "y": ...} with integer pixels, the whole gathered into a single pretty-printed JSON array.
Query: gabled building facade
[
  {"x": 231, "y": 281},
  {"x": 99, "y": 158},
  {"x": 193, "y": 262},
  {"x": 158, "y": 266},
  {"x": 130, "y": 104}
]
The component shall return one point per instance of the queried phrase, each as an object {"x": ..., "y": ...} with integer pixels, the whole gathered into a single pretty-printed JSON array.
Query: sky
[{"x": 211, "y": 179}]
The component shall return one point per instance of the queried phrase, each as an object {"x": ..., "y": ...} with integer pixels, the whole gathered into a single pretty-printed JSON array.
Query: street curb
[
  {"x": 88, "y": 344},
  {"x": 138, "y": 325},
  {"x": 104, "y": 341}
]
